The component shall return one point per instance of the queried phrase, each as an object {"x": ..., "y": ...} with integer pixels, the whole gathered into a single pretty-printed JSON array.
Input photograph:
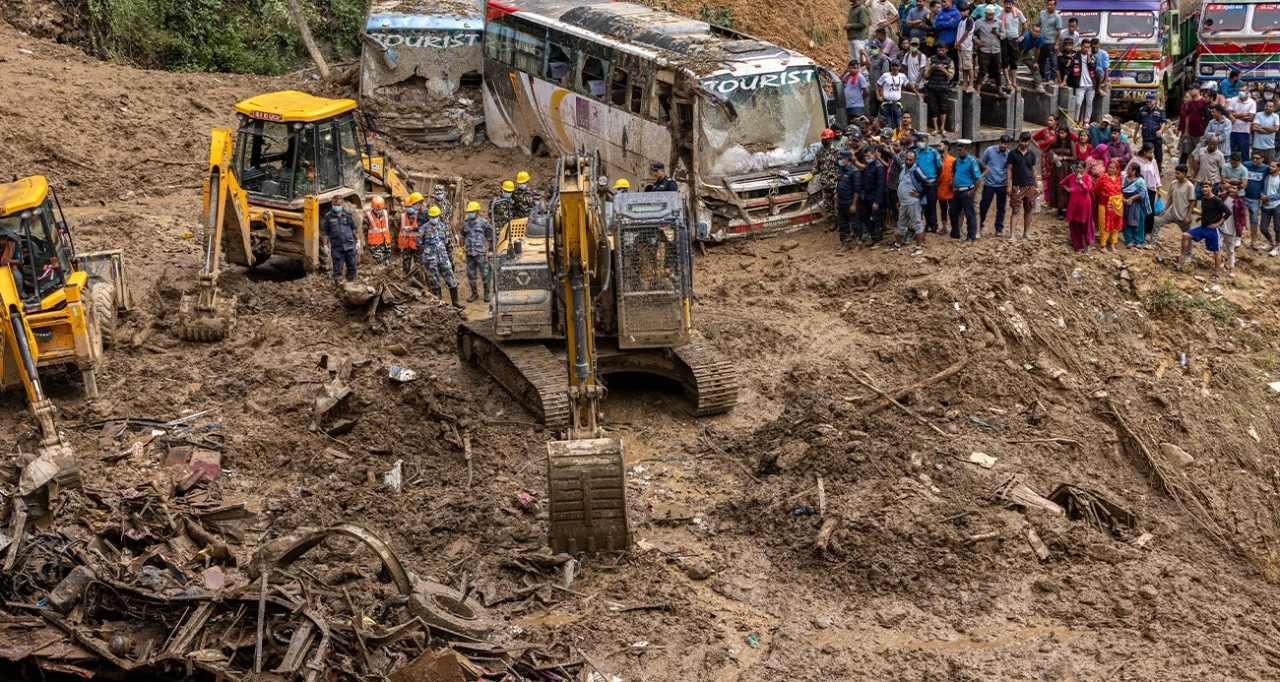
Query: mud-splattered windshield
[
  {"x": 1131, "y": 24},
  {"x": 762, "y": 121},
  {"x": 1089, "y": 22}
]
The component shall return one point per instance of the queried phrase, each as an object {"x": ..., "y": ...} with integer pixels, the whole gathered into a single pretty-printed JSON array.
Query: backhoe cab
[
  {"x": 268, "y": 184},
  {"x": 59, "y": 306}
]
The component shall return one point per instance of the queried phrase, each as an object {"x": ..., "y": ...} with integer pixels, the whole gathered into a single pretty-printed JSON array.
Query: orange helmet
[
  {"x": 378, "y": 203},
  {"x": 827, "y": 134}
]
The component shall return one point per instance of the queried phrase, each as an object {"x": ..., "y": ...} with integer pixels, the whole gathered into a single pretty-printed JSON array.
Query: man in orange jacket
[
  {"x": 377, "y": 225},
  {"x": 946, "y": 184},
  {"x": 408, "y": 236}
]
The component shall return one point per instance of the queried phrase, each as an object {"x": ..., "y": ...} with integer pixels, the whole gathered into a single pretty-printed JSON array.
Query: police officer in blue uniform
[
  {"x": 338, "y": 232},
  {"x": 661, "y": 181}
]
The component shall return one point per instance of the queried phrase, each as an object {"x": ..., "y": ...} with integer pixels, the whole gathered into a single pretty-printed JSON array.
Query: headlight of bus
[{"x": 1145, "y": 77}]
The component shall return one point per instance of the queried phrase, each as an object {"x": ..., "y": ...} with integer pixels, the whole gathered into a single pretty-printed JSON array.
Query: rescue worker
[
  {"x": 502, "y": 210},
  {"x": 622, "y": 186},
  {"x": 433, "y": 240},
  {"x": 446, "y": 207},
  {"x": 409, "y": 224},
  {"x": 338, "y": 235},
  {"x": 522, "y": 196},
  {"x": 661, "y": 182},
  {"x": 477, "y": 242},
  {"x": 826, "y": 169},
  {"x": 377, "y": 223}
]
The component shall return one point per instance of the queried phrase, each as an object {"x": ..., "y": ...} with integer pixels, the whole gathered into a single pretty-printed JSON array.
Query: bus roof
[
  {"x": 700, "y": 46},
  {"x": 426, "y": 14},
  {"x": 1110, "y": 5}
]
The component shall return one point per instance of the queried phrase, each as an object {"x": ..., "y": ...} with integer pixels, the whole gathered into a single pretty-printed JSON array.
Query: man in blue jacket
[
  {"x": 930, "y": 163},
  {"x": 964, "y": 179},
  {"x": 848, "y": 180},
  {"x": 338, "y": 234},
  {"x": 870, "y": 198}
]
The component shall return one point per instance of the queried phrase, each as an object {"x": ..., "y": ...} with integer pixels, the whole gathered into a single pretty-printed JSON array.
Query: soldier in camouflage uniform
[
  {"x": 477, "y": 241},
  {"x": 825, "y": 170},
  {"x": 502, "y": 210},
  {"x": 434, "y": 242},
  {"x": 522, "y": 196},
  {"x": 446, "y": 206}
]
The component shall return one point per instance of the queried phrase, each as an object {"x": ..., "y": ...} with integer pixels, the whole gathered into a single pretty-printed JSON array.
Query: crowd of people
[
  {"x": 1109, "y": 190},
  {"x": 931, "y": 48}
]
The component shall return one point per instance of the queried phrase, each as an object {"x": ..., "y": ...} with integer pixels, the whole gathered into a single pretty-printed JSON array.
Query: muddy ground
[{"x": 1075, "y": 373}]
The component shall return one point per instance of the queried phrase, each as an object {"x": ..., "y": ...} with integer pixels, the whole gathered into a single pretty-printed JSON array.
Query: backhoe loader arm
[
  {"x": 18, "y": 358},
  {"x": 226, "y": 233}
]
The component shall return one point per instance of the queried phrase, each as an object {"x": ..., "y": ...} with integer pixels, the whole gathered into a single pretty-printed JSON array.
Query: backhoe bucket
[
  {"x": 195, "y": 324},
  {"x": 587, "y": 490},
  {"x": 108, "y": 267}
]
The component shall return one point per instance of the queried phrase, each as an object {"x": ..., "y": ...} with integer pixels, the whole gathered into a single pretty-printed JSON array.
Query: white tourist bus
[{"x": 735, "y": 119}]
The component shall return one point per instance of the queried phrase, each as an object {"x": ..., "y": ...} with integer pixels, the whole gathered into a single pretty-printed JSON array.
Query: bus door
[{"x": 837, "y": 114}]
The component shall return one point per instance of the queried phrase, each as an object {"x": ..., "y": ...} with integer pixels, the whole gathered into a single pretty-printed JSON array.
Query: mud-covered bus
[
  {"x": 420, "y": 68},
  {"x": 735, "y": 119},
  {"x": 1144, "y": 43},
  {"x": 1244, "y": 36}
]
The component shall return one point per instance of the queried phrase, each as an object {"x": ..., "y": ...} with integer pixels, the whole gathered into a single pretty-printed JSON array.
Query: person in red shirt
[{"x": 1192, "y": 119}]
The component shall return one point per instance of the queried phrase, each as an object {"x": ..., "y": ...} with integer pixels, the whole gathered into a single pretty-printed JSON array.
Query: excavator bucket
[
  {"x": 205, "y": 323},
  {"x": 587, "y": 489}
]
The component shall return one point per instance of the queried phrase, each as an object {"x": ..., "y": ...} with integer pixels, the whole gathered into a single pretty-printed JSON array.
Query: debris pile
[{"x": 163, "y": 578}]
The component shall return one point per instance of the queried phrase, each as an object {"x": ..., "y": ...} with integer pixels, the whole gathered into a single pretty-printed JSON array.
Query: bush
[{"x": 242, "y": 36}]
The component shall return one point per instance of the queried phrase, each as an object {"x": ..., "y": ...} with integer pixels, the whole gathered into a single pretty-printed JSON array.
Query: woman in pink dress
[
  {"x": 1096, "y": 163},
  {"x": 1079, "y": 188}
]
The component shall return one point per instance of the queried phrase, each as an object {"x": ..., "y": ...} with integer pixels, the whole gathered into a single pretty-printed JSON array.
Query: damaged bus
[
  {"x": 420, "y": 68},
  {"x": 735, "y": 119}
]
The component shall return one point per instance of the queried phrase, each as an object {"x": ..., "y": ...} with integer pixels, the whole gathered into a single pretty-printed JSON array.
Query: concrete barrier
[
  {"x": 970, "y": 114},
  {"x": 1002, "y": 112},
  {"x": 914, "y": 104},
  {"x": 1036, "y": 106}
]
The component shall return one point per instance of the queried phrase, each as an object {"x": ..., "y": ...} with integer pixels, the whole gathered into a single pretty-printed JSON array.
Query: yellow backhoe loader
[
  {"x": 59, "y": 306},
  {"x": 268, "y": 184},
  {"x": 615, "y": 291}
]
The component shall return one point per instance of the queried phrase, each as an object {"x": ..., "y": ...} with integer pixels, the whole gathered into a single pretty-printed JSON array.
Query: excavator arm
[
  {"x": 225, "y": 218},
  {"x": 586, "y": 473}
]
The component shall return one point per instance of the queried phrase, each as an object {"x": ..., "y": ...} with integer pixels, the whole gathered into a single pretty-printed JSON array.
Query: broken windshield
[{"x": 762, "y": 121}]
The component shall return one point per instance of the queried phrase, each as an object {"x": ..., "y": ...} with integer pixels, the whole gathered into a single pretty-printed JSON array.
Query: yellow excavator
[
  {"x": 60, "y": 307},
  {"x": 268, "y": 184},
  {"x": 611, "y": 281}
]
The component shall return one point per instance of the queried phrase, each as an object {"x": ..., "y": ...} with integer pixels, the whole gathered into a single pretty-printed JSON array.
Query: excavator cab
[
  {"x": 290, "y": 146},
  {"x": 56, "y": 310}
]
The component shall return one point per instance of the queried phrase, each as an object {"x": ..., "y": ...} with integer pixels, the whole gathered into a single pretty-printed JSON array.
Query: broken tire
[{"x": 441, "y": 606}]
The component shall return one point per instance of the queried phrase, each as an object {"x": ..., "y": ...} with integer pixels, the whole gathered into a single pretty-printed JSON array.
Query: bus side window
[
  {"x": 528, "y": 52},
  {"x": 593, "y": 76},
  {"x": 662, "y": 101},
  {"x": 637, "y": 96},
  {"x": 618, "y": 87},
  {"x": 559, "y": 64}
]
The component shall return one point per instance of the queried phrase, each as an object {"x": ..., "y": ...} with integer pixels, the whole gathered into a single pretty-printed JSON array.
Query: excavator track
[
  {"x": 528, "y": 370},
  {"x": 710, "y": 380}
]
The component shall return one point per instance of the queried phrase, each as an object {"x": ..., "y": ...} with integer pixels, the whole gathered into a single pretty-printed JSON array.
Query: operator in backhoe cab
[
  {"x": 522, "y": 196},
  {"x": 338, "y": 233},
  {"x": 434, "y": 241},
  {"x": 407, "y": 241},
  {"x": 377, "y": 223},
  {"x": 477, "y": 241},
  {"x": 661, "y": 181}
]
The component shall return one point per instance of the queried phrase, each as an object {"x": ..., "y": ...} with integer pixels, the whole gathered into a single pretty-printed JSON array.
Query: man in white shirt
[
  {"x": 1084, "y": 91},
  {"x": 964, "y": 52},
  {"x": 1241, "y": 110},
  {"x": 986, "y": 35},
  {"x": 917, "y": 65},
  {"x": 884, "y": 14},
  {"x": 889, "y": 92}
]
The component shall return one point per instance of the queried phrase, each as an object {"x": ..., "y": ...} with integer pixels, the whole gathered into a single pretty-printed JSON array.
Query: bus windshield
[
  {"x": 761, "y": 121},
  {"x": 1266, "y": 18},
  {"x": 1090, "y": 22},
  {"x": 1224, "y": 18},
  {"x": 1131, "y": 24}
]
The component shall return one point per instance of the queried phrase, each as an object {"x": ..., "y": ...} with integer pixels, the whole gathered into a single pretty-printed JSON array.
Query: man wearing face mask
[
  {"x": 503, "y": 208},
  {"x": 338, "y": 234},
  {"x": 522, "y": 197},
  {"x": 433, "y": 239},
  {"x": 407, "y": 241},
  {"x": 477, "y": 241},
  {"x": 847, "y": 186},
  {"x": 929, "y": 161},
  {"x": 876, "y": 67},
  {"x": 377, "y": 225},
  {"x": 446, "y": 207}
]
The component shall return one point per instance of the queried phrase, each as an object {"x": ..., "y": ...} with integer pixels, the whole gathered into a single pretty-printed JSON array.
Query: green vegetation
[
  {"x": 717, "y": 16},
  {"x": 242, "y": 36},
  {"x": 1168, "y": 299}
]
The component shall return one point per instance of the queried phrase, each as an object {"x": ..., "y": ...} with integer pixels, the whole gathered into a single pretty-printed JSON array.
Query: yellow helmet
[
  {"x": 508, "y": 186},
  {"x": 473, "y": 206},
  {"x": 522, "y": 177},
  {"x": 413, "y": 199},
  {"x": 622, "y": 184},
  {"x": 434, "y": 212}
]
